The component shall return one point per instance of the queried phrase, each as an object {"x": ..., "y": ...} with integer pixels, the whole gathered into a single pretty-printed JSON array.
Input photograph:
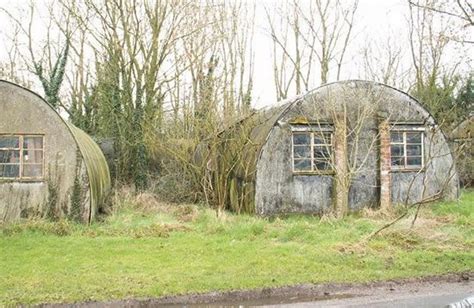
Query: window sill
[
  {"x": 402, "y": 170},
  {"x": 329, "y": 172},
  {"x": 8, "y": 181}
]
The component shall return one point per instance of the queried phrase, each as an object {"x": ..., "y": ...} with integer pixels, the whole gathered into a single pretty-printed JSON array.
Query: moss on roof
[{"x": 96, "y": 166}]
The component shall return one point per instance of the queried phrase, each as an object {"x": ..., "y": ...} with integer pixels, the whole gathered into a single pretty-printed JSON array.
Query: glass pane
[
  {"x": 397, "y": 150},
  {"x": 9, "y": 157},
  {"x": 398, "y": 161},
  {"x": 302, "y": 151},
  {"x": 32, "y": 171},
  {"x": 33, "y": 157},
  {"x": 322, "y": 138},
  {"x": 413, "y": 150},
  {"x": 9, "y": 142},
  {"x": 321, "y": 152},
  {"x": 396, "y": 137},
  {"x": 414, "y": 161},
  {"x": 414, "y": 138},
  {"x": 33, "y": 143},
  {"x": 303, "y": 165},
  {"x": 301, "y": 139},
  {"x": 9, "y": 171},
  {"x": 322, "y": 165}
]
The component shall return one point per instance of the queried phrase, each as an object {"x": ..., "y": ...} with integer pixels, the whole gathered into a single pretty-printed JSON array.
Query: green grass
[{"x": 149, "y": 250}]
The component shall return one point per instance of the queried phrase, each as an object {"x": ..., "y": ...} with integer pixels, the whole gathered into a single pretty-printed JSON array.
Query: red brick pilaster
[
  {"x": 385, "y": 164},
  {"x": 342, "y": 180}
]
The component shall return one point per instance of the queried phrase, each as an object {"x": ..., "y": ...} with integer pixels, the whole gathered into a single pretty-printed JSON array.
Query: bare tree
[
  {"x": 42, "y": 59},
  {"x": 319, "y": 31},
  {"x": 461, "y": 10},
  {"x": 384, "y": 62}
]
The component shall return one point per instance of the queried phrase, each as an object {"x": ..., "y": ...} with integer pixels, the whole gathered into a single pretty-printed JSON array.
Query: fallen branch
[{"x": 419, "y": 203}]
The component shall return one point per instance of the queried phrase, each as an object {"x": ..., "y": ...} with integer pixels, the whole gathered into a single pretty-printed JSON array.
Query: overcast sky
[{"x": 374, "y": 20}]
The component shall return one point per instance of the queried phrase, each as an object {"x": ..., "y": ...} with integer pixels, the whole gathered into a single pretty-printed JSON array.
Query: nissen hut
[
  {"x": 48, "y": 167},
  {"x": 341, "y": 147}
]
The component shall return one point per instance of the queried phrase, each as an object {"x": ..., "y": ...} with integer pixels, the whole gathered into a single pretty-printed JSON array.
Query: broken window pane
[
  {"x": 301, "y": 139},
  {"x": 33, "y": 171},
  {"x": 303, "y": 165},
  {"x": 33, "y": 156},
  {"x": 9, "y": 156},
  {"x": 9, "y": 171},
  {"x": 21, "y": 156},
  {"x": 33, "y": 143},
  {"x": 9, "y": 142}
]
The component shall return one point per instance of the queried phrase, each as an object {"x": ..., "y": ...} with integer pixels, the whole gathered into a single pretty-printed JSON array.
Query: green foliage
[
  {"x": 450, "y": 101},
  {"x": 76, "y": 202},
  {"x": 52, "y": 83},
  {"x": 461, "y": 213},
  {"x": 147, "y": 248},
  {"x": 53, "y": 210},
  {"x": 465, "y": 98}
]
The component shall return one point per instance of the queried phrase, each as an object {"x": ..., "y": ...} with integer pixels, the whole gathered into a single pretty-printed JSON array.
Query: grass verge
[{"x": 150, "y": 249}]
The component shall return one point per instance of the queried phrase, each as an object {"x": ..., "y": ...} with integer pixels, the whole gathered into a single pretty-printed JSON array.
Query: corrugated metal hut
[
  {"x": 363, "y": 141},
  {"x": 48, "y": 167}
]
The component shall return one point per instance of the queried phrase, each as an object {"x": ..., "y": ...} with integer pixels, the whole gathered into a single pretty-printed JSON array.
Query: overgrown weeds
[
  {"x": 59, "y": 228},
  {"x": 149, "y": 248}
]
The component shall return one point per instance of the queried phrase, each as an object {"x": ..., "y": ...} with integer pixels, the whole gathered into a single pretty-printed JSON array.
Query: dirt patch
[{"x": 280, "y": 295}]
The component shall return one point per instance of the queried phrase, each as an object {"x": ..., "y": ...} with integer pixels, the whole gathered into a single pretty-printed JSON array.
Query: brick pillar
[
  {"x": 385, "y": 164},
  {"x": 341, "y": 180}
]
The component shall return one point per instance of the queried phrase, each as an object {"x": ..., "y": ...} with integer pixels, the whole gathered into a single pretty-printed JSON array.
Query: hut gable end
[
  {"x": 62, "y": 171},
  {"x": 329, "y": 150}
]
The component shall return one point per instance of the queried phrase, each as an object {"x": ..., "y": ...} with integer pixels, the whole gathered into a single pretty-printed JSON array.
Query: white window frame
[
  {"x": 312, "y": 131},
  {"x": 404, "y": 131},
  {"x": 21, "y": 163}
]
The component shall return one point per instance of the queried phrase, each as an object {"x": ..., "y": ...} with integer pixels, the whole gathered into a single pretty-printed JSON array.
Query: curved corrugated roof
[
  {"x": 241, "y": 144},
  {"x": 96, "y": 166}
]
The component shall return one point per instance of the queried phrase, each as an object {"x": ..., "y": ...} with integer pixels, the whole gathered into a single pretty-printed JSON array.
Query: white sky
[{"x": 374, "y": 20}]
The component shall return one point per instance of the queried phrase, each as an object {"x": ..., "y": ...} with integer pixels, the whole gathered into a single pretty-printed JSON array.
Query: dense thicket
[{"x": 162, "y": 78}]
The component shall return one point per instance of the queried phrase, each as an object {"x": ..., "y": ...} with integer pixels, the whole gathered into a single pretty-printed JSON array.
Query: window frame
[
  {"x": 21, "y": 137},
  {"x": 312, "y": 131},
  {"x": 404, "y": 131}
]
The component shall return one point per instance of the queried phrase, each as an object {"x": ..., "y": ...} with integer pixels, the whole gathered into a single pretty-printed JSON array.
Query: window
[
  {"x": 21, "y": 157},
  {"x": 312, "y": 151},
  {"x": 406, "y": 149}
]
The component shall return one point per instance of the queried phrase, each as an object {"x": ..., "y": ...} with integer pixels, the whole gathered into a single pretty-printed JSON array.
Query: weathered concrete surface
[
  {"x": 24, "y": 112},
  {"x": 365, "y": 104}
]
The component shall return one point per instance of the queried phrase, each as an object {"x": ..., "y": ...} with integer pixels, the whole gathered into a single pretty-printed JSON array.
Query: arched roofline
[
  {"x": 89, "y": 172},
  {"x": 294, "y": 100},
  {"x": 45, "y": 102},
  {"x": 309, "y": 92}
]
